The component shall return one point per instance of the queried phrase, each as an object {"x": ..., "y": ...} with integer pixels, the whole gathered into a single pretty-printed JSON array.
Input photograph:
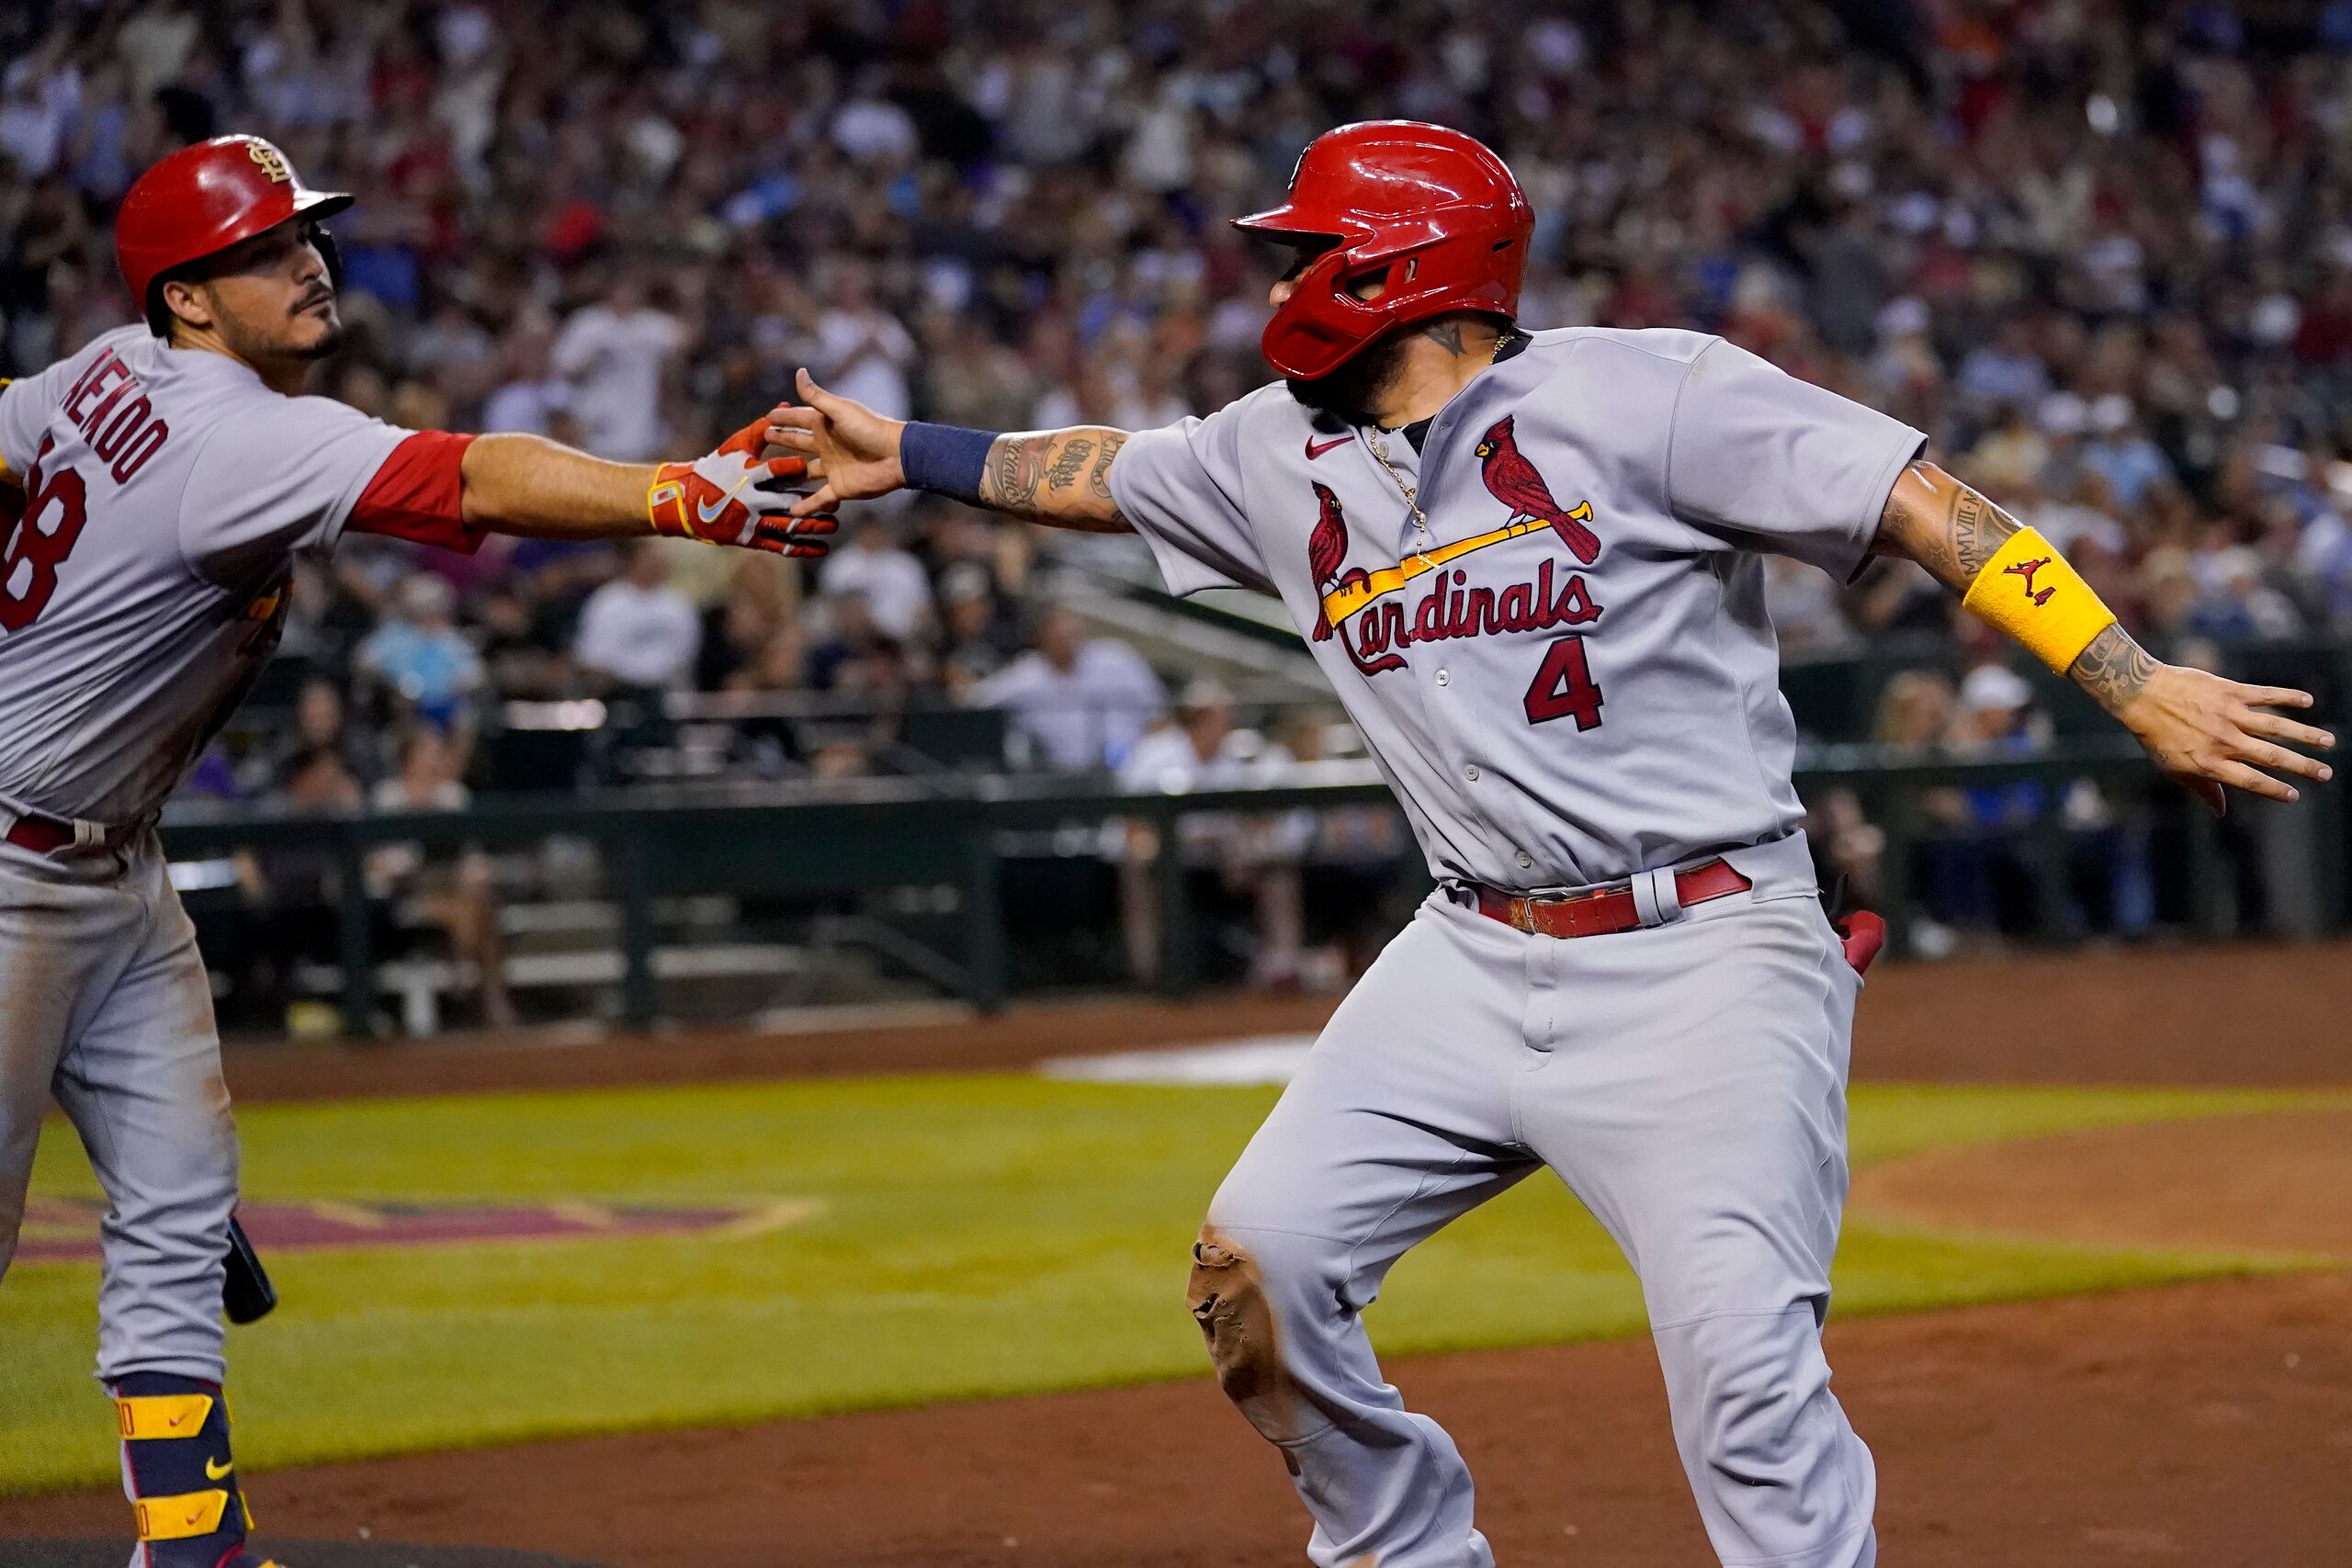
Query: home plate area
[{"x": 66, "y": 1229}]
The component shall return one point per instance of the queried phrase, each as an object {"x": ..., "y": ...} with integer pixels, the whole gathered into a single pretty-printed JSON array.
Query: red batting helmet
[
  {"x": 1433, "y": 211},
  {"x": 203, "y": 199}
]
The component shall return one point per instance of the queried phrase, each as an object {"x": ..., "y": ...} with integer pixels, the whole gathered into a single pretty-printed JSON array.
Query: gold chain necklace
[{"x": 1412, "y": 493}]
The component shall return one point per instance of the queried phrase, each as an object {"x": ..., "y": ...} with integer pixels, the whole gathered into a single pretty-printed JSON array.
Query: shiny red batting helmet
[
  {"x": 1432, "y": 211},
  {"x": 199, "y": 201}
]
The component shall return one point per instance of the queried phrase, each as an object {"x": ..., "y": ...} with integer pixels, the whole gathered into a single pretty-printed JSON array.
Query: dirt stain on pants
[{"x": 1228, "y": 1297}]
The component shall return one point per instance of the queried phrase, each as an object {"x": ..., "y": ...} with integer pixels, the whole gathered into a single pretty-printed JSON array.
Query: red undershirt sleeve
[{"x": 418, "y": 495}]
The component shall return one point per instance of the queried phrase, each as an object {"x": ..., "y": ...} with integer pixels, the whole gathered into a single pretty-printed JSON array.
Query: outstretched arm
[
  {"x": 1056, "y": 477},
  {"x": 2205, "y": 731},
  {"x": 541, "y": 488}
]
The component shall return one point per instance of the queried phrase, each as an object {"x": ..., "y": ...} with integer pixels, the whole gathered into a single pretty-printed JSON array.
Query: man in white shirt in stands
[
  {"x": 637, "y": 630},
  {"x": 867, "y": 347},
  {"x": 616, "y": 355},
  {"x": 1077, "y": 702},
  {"x": 1253, "y": 860},
  {"x": 892, "y": 583}
]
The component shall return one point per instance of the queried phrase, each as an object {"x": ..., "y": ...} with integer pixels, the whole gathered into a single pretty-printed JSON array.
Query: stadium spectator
[
  {"x": 419, "y": 655},
  {"x": 874, "y": 568},
  {"x": 320, "y": 732},
  {"x": 638, "y": 632},
  {"x": 615, "y": 355},
  {"x": 1077, "y": 702},
  {"x": 459, "y": 898},
  {"x": 1235, "y": 862}
]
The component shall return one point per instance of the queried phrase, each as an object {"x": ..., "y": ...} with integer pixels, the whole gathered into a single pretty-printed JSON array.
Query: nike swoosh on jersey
[
  {"x": 213, "y": 1473},
  {"x": 1317, "y": 448}
]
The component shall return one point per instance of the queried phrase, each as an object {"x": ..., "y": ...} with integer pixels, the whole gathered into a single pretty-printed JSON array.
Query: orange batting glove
[{"x": 733, "y": 496}]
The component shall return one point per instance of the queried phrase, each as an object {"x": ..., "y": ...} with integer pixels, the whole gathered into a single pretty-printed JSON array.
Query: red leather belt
[
  {"x": 1603, "y": 910},
  {"x": 47, "y": 835}
]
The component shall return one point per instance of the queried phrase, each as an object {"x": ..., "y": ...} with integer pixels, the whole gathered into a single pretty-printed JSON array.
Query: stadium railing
[{"x": 952, "y": 830}]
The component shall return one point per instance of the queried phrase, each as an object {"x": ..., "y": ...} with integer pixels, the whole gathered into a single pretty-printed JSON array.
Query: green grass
[{"x": 981, "y": 1235}]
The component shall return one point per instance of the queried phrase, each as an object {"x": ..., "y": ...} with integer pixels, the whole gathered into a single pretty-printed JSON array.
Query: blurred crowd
[{"x": 2101, "y": 249}]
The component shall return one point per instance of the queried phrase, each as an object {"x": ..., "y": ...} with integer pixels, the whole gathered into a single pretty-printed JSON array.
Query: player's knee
[
  {"x": 1232, "y": 1294},
  {"x": 1760, "y": 1412}
]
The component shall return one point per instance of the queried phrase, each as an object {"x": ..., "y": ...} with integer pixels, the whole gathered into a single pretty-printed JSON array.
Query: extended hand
[
  {"x": 2208, "y": 733},
  {"x": 734, "y": 496},
  {"x": 851, "y": 448}
]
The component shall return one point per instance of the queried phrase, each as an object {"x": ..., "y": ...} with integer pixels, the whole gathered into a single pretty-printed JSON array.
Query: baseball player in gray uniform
[
  {"x": 160, "y": 483},
  {"x": 1529, "y": 563}
]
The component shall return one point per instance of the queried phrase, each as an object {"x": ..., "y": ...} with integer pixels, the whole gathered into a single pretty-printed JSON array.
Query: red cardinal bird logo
[
  {"x": 1326, "y": 548},
  {"x": 1512, "y": 481}
]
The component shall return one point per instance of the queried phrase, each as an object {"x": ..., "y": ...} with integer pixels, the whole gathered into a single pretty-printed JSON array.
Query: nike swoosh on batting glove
[{"x": 733, "y": 496}]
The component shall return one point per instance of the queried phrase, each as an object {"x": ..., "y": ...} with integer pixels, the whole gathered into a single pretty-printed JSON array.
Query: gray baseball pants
[
  {"x": 103, "y": 1003},
  {"x": 1687, "y": 1080}
]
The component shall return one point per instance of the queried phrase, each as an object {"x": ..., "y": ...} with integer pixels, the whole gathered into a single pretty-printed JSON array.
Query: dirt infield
[
  {"x": 2254, "y": 1015},
  {"x": 2280, "y": 1183},
  {"x": 2205, "y": 1425}
]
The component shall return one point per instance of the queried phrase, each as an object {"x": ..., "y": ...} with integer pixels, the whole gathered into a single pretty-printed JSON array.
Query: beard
[
  {"x": 323, "y": 346},
  {"x": 296, "y": 340},
  {"x": 1352, "y": 391}
]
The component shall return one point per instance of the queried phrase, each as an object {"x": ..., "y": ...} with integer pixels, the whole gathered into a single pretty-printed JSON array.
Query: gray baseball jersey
[
  {"x": 1567, "y": 671},
  {"x": 1569, "y": 677},
  {"x": 167, "y": 490}
]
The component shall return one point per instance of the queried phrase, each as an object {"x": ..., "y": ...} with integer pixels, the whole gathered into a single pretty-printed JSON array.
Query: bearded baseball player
[
  {"x": 163, "y": 479},
  {"x": 1529, "y": 563}
]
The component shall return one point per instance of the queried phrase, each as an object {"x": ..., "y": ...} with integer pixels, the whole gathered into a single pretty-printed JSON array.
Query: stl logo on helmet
[
  {"x": 1367, "y": 609},
  {"x": 271, "y": 162}
]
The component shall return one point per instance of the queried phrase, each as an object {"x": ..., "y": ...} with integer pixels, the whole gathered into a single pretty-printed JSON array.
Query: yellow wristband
[{"x": 2029, "y": 591}]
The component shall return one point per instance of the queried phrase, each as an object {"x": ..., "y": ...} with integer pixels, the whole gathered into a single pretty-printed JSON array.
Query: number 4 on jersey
[{"x": 1564, "y": 687}]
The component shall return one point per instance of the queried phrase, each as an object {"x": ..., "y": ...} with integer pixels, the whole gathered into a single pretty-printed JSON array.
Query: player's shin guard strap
[
  {"x": 149, "y": 1417},
  {"x": 2029, "y": 591},
  {"x": 182, "y": 1518}
]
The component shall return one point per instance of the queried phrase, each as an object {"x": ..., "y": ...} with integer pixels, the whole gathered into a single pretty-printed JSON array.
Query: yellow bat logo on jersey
[{"x": 1356, "y": 593}]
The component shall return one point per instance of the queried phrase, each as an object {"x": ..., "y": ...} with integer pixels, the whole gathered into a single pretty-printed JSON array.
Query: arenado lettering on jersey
[{"x": 108, "y": 406}]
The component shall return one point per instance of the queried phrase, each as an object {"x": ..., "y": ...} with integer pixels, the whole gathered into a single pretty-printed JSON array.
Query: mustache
[{"x": 321, "y": 294}]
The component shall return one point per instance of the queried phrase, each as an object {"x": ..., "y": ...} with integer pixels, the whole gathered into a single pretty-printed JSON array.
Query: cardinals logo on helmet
[{"x": 1513, "y": 479}]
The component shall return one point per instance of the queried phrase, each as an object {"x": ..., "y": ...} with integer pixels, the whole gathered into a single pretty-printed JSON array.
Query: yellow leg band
[
  {"x": 161, "y": 1416},
  {"x": 177, "y": 1519},
  {"x": 2029, "y": 591}
]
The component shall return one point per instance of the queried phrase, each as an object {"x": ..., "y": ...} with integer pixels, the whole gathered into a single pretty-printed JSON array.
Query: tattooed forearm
[
  {"x": 1942, "y": 524},
  {"x": 1074, "y": 453},
  {"x": 1016, "y": 468},
  {"x": 1060, "y": 477},
  {"x": 1977, "y": 529},
  {"x": 2113, "y": 669},
  {"x": 1098, "y": 480}
]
